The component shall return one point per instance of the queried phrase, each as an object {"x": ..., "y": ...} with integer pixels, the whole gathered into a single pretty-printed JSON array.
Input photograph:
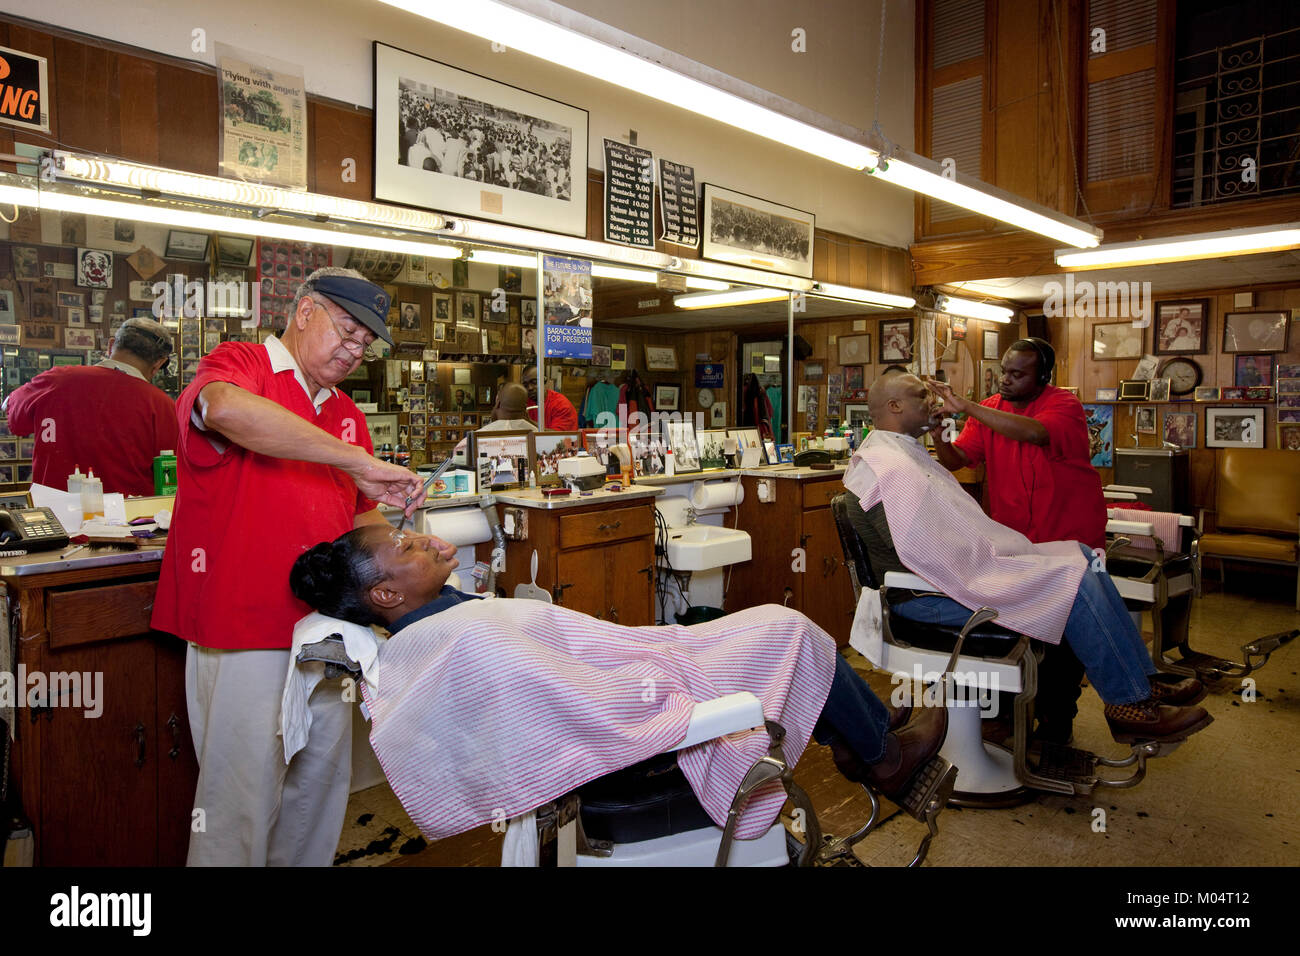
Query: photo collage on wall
[{"x": 281, "y": 267}]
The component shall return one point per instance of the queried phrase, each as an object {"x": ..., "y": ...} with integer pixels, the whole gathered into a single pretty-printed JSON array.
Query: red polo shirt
[
  {"x": 1048, "y": 493},
  {"x": 241, "y": 518},
  {"x": 561, "y": 416},
  {"x": 94, "y": 417}
]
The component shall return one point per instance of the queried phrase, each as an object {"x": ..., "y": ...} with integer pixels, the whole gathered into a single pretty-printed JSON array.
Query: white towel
[
  {"x": 520, "y": 846},
  {"x": 867, "y": 636},
  {"x": 362, "y": 645}
]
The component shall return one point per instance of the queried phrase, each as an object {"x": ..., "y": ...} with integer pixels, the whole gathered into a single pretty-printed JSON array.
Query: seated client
[
  {"x": 398, "y": 580},
  {"x": 912, "y": 515}
]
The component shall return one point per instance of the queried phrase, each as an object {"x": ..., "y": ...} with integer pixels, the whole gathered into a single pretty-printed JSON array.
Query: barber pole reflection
[{"x": 962, "y": 689}]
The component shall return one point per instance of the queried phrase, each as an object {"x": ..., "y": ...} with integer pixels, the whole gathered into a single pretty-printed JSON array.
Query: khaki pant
[{"x": 256, "y": 810}]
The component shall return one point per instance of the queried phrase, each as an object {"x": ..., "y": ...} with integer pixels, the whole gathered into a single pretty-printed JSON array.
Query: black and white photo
[
  {"x": 1234, "y": 428},
  {"x": 753, "y": 232}
]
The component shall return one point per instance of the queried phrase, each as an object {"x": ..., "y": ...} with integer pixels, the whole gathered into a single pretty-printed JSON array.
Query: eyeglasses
[{"x": 353, "y": 345}]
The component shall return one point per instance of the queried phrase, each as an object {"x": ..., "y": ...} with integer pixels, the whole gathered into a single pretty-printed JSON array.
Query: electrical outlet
[{"x": 766, "y": 490}]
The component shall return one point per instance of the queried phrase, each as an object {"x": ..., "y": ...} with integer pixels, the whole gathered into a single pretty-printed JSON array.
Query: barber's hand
[
  {"x": 389, "y": 483},
  {"x": 953, "y": 404}
]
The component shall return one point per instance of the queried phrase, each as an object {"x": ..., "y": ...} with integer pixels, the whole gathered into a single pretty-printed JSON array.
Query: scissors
[{"x": 425, "y": 487}]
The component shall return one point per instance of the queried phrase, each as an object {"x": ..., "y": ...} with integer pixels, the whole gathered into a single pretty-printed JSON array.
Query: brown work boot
[
  {"x": 1150, "y": 720},
  {"x": 900, "y": 716},
  {"x": 908, "y": 750},
  {"x": 1176, "y": 691}
]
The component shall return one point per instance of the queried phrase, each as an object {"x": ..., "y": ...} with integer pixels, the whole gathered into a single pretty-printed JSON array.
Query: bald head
[
  {"x": 512, "y": 399},
  {"x": 900, "y": 402}
]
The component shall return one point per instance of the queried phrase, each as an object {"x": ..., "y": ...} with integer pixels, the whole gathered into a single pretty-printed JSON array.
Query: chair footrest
[{"x": 1058, "y": 762}]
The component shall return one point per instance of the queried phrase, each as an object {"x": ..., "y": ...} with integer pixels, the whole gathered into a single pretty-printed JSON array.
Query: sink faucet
[{"x": 690, "y": 515}]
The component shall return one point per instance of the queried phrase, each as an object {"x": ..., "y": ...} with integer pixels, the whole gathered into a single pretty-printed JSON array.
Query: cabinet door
[
  {"x": 631, "y": 582},
  {"x": 828, "y": 592},
  {"x": 99, "y": 774},
  {"x": 582, "y": 576},
  {"x": 178, "y": 768}
]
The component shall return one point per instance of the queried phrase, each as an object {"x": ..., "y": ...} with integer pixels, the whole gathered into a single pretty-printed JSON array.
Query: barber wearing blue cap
[{"x": 272, "y": 459}]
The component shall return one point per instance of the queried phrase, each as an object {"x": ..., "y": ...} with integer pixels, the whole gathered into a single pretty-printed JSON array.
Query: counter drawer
[
  {"x": 84, "y": 615},
  {"x": 611, "y": 524},
  {"x": 818, "y": 494}
]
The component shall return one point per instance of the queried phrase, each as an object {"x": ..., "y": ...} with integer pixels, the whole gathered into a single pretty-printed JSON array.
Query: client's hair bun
[{"x": 318, "y": 575}]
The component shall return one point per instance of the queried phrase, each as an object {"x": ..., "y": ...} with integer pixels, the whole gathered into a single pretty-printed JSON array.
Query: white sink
[{"x": 701, "y": 547}]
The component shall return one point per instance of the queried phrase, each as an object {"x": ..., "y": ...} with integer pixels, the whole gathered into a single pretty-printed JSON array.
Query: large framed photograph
[
  {"x": 457, "y": 142},
  {"x": 753, "y": 232},
  {"x": 1181, "y": 327},
  {"x": 1252, "y": 370},
  {"x": 510, "y": 456},
  {"x": 549, "y": 449},
  {"x": 1234, "y": 428},
  {"x": 681, "y": 439},
  {"x": 855, "y": 350},
  {"x": 1116, "y": 340},
  {"x": 1256, "y": 331},
  {"x": 895, "y": 341},
  {"x": 660, "y": 358}
]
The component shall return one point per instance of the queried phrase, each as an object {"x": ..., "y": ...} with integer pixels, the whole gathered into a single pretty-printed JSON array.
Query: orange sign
[{"x": 24, "y": 90}]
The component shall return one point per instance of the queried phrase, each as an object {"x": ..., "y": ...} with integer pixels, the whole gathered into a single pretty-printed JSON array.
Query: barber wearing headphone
[{"x": 1033, "y": 440}]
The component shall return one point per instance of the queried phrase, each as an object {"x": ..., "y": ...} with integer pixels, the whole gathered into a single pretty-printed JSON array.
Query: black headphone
[{"x": 1046, "y": 357}]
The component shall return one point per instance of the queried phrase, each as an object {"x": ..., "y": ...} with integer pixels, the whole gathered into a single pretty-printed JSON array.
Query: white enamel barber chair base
[{"x": 696, "y": 848}]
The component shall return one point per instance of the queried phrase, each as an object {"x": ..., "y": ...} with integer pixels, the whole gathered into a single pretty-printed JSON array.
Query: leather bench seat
[
  {"x": 1257, "y": 546},
  {"x": 645, "y": 801}
]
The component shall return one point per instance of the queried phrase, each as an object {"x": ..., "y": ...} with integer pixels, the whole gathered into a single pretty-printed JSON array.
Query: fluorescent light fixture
[
  {"x": 829, "y": 290},
  {"x": 1204, "y": 245},
  {"x": 710, "y": 300},
  {"x": 912, "y": 173},
  {"x": 497, "y": 234},
  {"x": 170, "y": 182},
  {"x": 211, "y": 222},
  {"x": 710, "y": 285},
  {"x": 497, "y": 258},
  {"x": 975, "y": 310},
  {"x": 627, "y": 275},
  {"x": 561, "y": 39}
]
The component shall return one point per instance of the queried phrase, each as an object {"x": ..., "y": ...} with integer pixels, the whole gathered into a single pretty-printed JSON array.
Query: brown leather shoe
[
  {"x": 897, "y": 718},
  {"x": 1150, "y": 720},
  {"x": 908, "y": 750},
  {"x": 1175, "y": 691}
]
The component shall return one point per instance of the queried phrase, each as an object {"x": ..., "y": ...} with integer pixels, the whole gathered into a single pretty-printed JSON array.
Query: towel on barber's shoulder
[
  {"x": 362, "y": 646},
  {"x": 491, "y": 709}
]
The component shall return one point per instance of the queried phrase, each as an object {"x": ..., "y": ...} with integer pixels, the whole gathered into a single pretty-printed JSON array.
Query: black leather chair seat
[
  {"x": 986, "y": 641},
  {"x": 1131, "y": 562},
  {"x": 645, "y": 801}
]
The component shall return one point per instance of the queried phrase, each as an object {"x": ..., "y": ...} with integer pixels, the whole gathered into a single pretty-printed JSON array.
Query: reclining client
[
  {"x": 912, "y": 515},
  {"x": 552, "y": 667}
]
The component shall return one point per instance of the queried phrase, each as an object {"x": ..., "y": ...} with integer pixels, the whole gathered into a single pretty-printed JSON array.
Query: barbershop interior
[{"x": 851, "y": 433}]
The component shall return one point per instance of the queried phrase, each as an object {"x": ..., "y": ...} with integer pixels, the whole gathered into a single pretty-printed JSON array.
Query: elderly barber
[
  {"x": 272, "y": 457},
  {"x": 106, "y": 417},
  {"x": 1033, "y": 440}
]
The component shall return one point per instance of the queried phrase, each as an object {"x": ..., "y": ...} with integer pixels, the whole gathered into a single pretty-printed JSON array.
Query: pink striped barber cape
[
  {"x": 940, "y": 533},
  {"x": 491, "y": 708}
]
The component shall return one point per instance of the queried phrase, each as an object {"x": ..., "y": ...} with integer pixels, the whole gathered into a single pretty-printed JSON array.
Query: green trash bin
[{"x": 698, "y": 615}]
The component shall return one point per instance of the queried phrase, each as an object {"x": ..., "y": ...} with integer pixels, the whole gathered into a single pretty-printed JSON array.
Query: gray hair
[
  {"x": 308, "y": 287},
  {"x": 150, "y": 340}
]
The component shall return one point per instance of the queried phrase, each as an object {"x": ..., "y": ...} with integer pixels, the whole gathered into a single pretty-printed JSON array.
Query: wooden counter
[{"x": 115, "y": 789}]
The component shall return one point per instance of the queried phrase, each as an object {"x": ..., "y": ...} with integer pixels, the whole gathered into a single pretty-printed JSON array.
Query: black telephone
[
  {"x": 812, "y": 456},
  {"x": 35, "y": 529}
]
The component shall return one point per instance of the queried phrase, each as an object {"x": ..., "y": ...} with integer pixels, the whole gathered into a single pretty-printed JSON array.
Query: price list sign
[
  {"x": 629, "y": 195},
  {"x": 678, "y": 205}
]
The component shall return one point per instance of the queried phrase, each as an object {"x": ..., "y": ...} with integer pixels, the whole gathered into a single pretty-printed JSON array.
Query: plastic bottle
[
  {"x": 669, "y": 468},
  {"x": 74, "y": 481},
  {"x": 92, "y": 495},
  {"x": 403, "y": 455},
  {"x": 164, "y": 473}
]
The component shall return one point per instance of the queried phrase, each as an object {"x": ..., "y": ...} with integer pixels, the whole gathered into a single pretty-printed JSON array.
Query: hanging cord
[
  {"x": 880, "y": 64},
  {"x": 1069, "y": 123}
]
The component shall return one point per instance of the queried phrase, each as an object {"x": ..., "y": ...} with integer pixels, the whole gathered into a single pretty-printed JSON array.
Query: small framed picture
[
  {"x": 1259, "y": 393},
  {"x": 991, "y": 345},
  {"x": 76, "y": 318},
  {"x": 234, "y": 252},
  {"x": 443, "y": 303},
  {"x": 1180, "y": 429},
  {"x": 667, "y": 397},
  {"x": 786, "y": 452},
  {"x": 990, "y": 377},
  {"x": 1181, "y": 327},
  {"x": 192, "y": 246},
  {"x": 854, "y": 349},
  {"x": 1206, "y": 393},
  {"x": 70, "y": 300},
  {"x": 1252, "y": 370},
  {"x": 1145, "y": 420},
  {"x": 1112, "y": 341},
  {"x": 1288, "y": 436},
  {"x": 857, "y": 416},
  {"x": 895, "y": 341},
  {"x": 1255, "y": 332},
  {"x": 1159, "y": 390},
  {"x": 661, "y": 359},
  {"x": 1134, "y": 390},
  {"x": 1234, "y": 428},
  {"x": 1107, "y": 395},
  {"x": 813, "y": 371},
  {"x": 408, "y": 317},
  {"x": 461, "y": 376},
  {"x": 1232, "y": 394}
]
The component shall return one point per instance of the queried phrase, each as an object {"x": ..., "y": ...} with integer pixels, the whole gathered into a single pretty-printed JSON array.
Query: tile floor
[{"x": 1226, "y": 797}]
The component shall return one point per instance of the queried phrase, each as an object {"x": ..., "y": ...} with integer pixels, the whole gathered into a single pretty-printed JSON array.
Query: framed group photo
[
  {"x": 453, "y": 141},
  {"x": 753, "y": 232}
]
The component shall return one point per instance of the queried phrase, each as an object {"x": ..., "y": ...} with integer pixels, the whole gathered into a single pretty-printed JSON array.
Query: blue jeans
[
  {"x": 854, "y": 714},
  {"x": 1098, "y": 630}
]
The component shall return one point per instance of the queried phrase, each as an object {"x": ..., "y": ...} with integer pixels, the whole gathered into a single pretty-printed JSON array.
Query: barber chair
[
  {"x": 648, "y": 815},
  {"x": 1162, "y": 577},
  {"x": 986, "y": 660}
]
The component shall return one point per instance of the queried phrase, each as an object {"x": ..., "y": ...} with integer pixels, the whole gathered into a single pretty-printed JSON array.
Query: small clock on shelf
[
  {"x": 705, "y": 398},
  {"x": 1184, "y": 375}
]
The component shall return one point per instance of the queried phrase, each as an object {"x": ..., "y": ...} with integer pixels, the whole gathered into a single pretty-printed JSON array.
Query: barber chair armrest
[
  {"x": 909, "y": 581},
  {"x": 1116, "y": 526},
  {"x": 721, "y": 716},
  {"x": 1129, "y": 489},
  {"x": 1200, "y": 518},
  {"x": 1119, "y": 496}
]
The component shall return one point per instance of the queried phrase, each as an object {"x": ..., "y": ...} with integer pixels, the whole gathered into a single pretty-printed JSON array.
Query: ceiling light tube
[
  {"x": 710, "y": 300},
  {"x": 829, "y": 290},
  {"x": 1205, "y": 245},
  {"x": 627, "y": 275},
  {"x": 710, "y": 285},
  {"x": 975, "y": 310},
  {"x": 494, "y": 233},
  {"x": 496, "y": 257}
]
